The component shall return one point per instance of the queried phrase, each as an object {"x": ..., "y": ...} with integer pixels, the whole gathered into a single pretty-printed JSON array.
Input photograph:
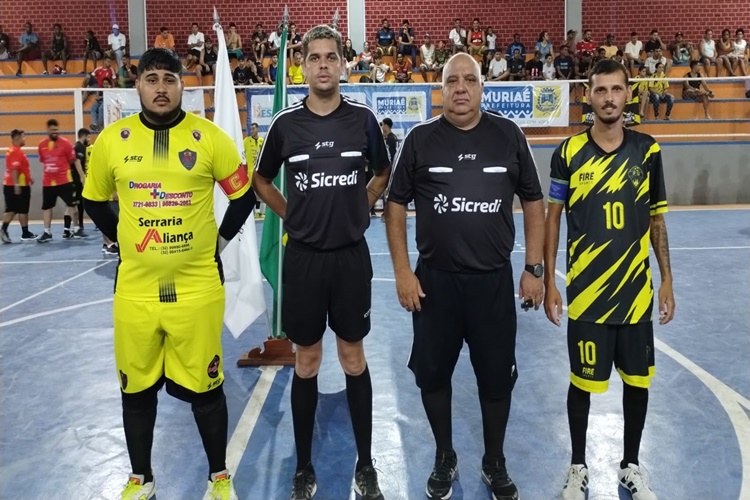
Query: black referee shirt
[
  {"x": 462, "y": 183},
  {"x": 325, "y": 158},
  {"x": 80, "y": 150}
]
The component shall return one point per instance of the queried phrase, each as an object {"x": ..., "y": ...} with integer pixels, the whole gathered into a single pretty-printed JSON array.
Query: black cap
[
  {"x": 388, "y": 121},
  {"x": 15, "y": 133}
]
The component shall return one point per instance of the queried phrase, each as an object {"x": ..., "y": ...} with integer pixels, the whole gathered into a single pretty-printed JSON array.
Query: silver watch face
[{"x": 537, "y": 270}]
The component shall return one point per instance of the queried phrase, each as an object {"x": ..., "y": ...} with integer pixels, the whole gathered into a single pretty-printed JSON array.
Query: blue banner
[{"x": 529, "y": 104}]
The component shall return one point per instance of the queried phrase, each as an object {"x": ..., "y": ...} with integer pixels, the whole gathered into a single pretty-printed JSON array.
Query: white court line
[
  {"x": 561, "y": 250},
  {"x": 67, "y": 261},
  {"x": 37, "y": 294},
  {"x": 53, "y": 311},
  {"x": 241, "y": 435}
]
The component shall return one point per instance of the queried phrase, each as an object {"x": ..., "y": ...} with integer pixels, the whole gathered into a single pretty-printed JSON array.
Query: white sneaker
[
  {"x": 632, "y": 479},
  {"x": 136, "y": 489},
  {"x": 220, "y": 487},
  {"x": 576, "y": 484}
]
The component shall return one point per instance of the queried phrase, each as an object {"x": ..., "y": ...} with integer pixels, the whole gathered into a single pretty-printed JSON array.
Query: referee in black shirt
[
  {"x": 462, "y": 170},
  {"x": 324, "y": 142}
]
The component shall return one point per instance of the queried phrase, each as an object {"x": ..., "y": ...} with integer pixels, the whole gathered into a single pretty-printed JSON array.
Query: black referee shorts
[
  {"x": 78, "y": 191},
  {"x": 326, "y": 286},
  {"x": 478, "y": 308},
  {"x": 66, "y": 192},
  {"x": 17, "y": 203}
]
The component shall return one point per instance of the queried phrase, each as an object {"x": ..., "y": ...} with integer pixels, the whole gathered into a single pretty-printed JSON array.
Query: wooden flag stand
[{"x": 275, "y": 352}]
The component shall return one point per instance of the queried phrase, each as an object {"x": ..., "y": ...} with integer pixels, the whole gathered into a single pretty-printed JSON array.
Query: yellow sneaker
[
  {"x": 137, "y": 489},
  {"x": 220, "y": 487}
]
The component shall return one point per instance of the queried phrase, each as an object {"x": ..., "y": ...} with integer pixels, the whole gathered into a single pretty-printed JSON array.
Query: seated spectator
[
  {"x": 273, "y": 69},
  {"x": 379, "y": 70},
  {"x": 58, "y": 51},
  {"x": 697, "y": 90},
  {"x": 632, "y": 52},
  {"x": 564, "y": 64},
  {"x": 570, "y": 41},
  {"x": 296, "y": 75},
  {"x": 610, "y": 48},
  {"x": 738, "y": 56},
  {"x": 723, "y": 50},
  {"x": 402, "y": 69},
  {"x": 641, "y": 90},
  {"x": 427, "y": 53},
  {"x": 256, "y": 73},
  {"x": 104, "y": 71},
  {"x": 498, "y": 68},
  {"x": 516, "y": 45},
  {"x": 97, "y": 108},
  {"x": 654, "y": 42},
  {"x": 658, "y": 92},
  {"x": 655, "y": 58},
  {"x": 535, "y": 67},
  {"x": 585, "y": 51},
  {"x": 4, "y": 45},
  {"x": 490, "y": 39},
  {"x": 477, "y": 45},
  {"x": 406, "y": 44},
  {"x": 457, "y": 37},
  {"x": 441, "y": 57},
  {"x": 294, "y": 40},
  {"x": 350, "y": 56},
  {"x": 234, "y": 42},
  {"x": 517, "y": 66},
  {"x": 680, "y": 49},
  {"x": 127, "y": 73},
  {"x": 619, "y": 58},
  {"x": 28, "y": 42},
  {"x": 207, "y": 66},
  {"x": 274, "y": 41},
  {"x": 365, "y": 57},
  {"x": 164, "y": 40},
  {"x": 544, "y": 46},
  {"x": 548, "y": 70},
  {"x": 92, "y": 50},
  {"x": 485, "y": 65},
  {"x": 385, "y": 39},
  {"x": 241, "y": 74},
  {"x": 196, "y": 43},
  {"x": 707, "y": 50},
  {"x": 260, "y": 42},
  {"x": 117, "y": 44}
]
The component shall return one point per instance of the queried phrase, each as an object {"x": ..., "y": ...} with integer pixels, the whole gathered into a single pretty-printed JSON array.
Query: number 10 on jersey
[{"x": 615, "y": 214}]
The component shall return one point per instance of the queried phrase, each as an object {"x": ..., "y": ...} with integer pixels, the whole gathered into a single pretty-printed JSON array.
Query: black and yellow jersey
[
  {"x": 609, "y": 200},
  {"x": 164, "y": 178}
]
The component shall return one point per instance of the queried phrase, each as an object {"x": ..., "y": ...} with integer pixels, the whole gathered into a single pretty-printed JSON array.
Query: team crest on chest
[
  {"x": 188, "y": 158},
  {"x": 635, "y": 174},
  {"x": 197, "y": 135}
]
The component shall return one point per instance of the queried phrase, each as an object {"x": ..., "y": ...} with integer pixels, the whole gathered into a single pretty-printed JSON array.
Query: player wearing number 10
[{"x": 610, "y": 181}]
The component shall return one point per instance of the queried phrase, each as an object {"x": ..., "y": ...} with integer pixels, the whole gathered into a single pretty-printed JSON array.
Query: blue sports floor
[{"x": 60, "y": 416}]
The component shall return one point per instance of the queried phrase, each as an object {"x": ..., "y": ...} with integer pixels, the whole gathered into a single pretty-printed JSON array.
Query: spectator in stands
[
  {"x": 680, "y": 49},
  {"x": 516, "y": 45},
  {"x": 654, "y": 42},
  {"x": 658, "y": 92},
  {"x": 241, "y": 74},
  {"x": 427, "y": 53},
  {"x": 548, "y": 70},
  {"x": 210, "y": 56},
  {"x": 655, "y": 57},
  {"x": 723, "y": 50},
  {"x": 585, "y": 51},
  {"x": 4, "y": 45},
  {"x": 97, "y": 108},
  {"x": 498, "y": 68},
  {"x": 441, "y": 57},
  {"x": 59, "y": 50},
  {"x": 117, "y": 44},
  {"x": 272, "y": 70},
  {"x": 477, "y": 44},
  {"x": 610, "y": 47},
  {"x": 697, "y": 90},
  {"x": 535, "y": 67},
  {"x": 379, "y": 70},
  {"x": 570, "y": 40},
  {"x": 256, "y": 73},
  {"x": 92, "y": 50},
  {"x": 641, "y": 89},
  {"x": 457, "y": 37},
  {"x": 274, "y": 41},
  {"x": 127, "y": 73},
  {"x": 402, "y": 69},
  {"x": 485, "y": 66},
  {"x": 196, "y": 43},
  {"x": 633, "y": 53},
  {"x": 296, "y": 74},
  {"x": 564, "y": 64},
  {"x": 365, "y": 57},
  {"x": 104, "y": 71},
  {"x": 234, "y": 42},
  {"x": 294, "y": 40},
  {"x": 544, "y": 46},
  {"x": 738, "y": 57},
  {"x": 406, "y": 42},
  {"x": 259, "y": 42},
  {"x": 707, "y": 50},
  {"x": 517, "y": 66},
  {"x": 386, "y": 39},
  {"x": 620, "y": 58},
  {"x": 350, "y": 55},
  {"x": 28, "y": 42},
  {"x": 164, "y": 40}
]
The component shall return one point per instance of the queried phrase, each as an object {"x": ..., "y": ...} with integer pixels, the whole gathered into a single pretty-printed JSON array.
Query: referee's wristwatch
[{"x": 537, "y": 270}]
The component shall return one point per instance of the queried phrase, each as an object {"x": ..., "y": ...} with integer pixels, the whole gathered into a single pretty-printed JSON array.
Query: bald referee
[
  {"x": 462, "y": 170},
  {"x": 324, "y": 141}
]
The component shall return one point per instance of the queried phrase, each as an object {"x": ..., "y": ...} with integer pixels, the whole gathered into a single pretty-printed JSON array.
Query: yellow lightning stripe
[
  {"x": 643, "y": 188},
  {"x": 617, "y": 180},
  {"x": 653, "y": 149},
  {"x": 606, "y": 315},
  {"x": 581, "y": 262},
  {"x": 598, "y": 168},
  {"x": 642, "y": 301},
  {"x": 575, "y": 144},
  {"x": 574, "y": 245},
  {"x": 637, "y": 265}
]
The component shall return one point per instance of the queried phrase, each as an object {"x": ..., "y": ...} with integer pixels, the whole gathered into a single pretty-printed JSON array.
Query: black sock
[
  {"x": 24, "y": 230},
  {"x": 579, "y": 402},
  {"x": 304, "y": 403},
  {"x": 5, "y": 226},
  {"x": 359, "y": 396},
  {"x": 212, "y": 420},
  {"x": 80, "y": 216},
  {"x": 494, "y": 422},
  {"x": 138, "y": 418},
  {"x": 437, "y": 406},
  {"x": 634, "y": 408},
  {"x": 66, "y": 222}
]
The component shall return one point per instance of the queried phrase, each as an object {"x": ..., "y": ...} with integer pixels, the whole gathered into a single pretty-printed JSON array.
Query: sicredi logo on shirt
[
  {"x": 321, "y": 179},
  {"x": 459, "y": 204}
]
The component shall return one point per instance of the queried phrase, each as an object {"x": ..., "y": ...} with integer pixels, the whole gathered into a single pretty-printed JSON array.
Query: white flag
[{"x": 242, "y": 278}]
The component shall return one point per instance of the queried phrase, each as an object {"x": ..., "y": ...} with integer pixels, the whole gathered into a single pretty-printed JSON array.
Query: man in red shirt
[
  {"x": 56, "y": 154},
  {"x": 17, "y": 187},
  {"x": 585, "y": 50},
  {"x": 103, "y": 72}
]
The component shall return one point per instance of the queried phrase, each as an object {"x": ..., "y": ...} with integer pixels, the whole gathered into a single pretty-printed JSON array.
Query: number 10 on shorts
[{"x": 588, "y": 352}]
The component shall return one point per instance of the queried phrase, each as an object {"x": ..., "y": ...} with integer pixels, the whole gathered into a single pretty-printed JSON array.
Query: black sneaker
[
  {"x": 495, "y": 475},
  {"x": 79, "y": 233},
  {"x": 28, "y": 236},
  {"x": 112, "y": 249},
  {"x": 67, "y": 234},
  {"x": 4, "y": 236},
  {"x": 366, "y": 484},
  {"x": 45, "y": 237},
  {"x": 445, "y": 471},
  {"x": 304, "y": 486}
]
